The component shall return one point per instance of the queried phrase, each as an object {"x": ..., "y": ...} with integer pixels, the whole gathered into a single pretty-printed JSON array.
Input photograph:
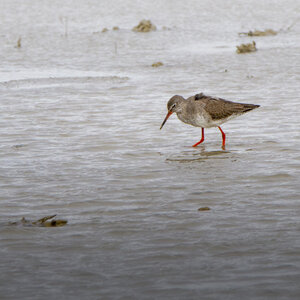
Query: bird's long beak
[{"x": 166, "y": 118}]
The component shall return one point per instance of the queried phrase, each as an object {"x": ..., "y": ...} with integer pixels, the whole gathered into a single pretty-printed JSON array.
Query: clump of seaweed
[
  {"x": 246, "y": 48},
  {"x": 104, "y": 29},
  {"x": 259, "y": 32},
  {"x": 144, "y": 26},
  {"x": 44, "y": 222},
  {"x": 116, "y": 28},
  {"x": 157, "y": 64}
]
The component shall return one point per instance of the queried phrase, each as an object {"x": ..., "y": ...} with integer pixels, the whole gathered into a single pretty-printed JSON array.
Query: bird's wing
[{"x": 219, "y": 108}]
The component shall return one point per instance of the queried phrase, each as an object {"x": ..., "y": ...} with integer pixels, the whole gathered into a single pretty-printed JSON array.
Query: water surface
[{"x": 80, "y": 138}]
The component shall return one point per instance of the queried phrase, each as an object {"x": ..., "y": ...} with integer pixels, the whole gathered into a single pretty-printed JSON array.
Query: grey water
[{"x": 79, "y": 129}]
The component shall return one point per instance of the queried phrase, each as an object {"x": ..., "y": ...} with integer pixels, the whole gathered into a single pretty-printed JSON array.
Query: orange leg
[
  {"x": 202, "y": 139},
  {"x": 223, "y": 138}
]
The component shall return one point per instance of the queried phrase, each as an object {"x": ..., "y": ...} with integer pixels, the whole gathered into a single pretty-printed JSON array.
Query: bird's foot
[{"x": 195, "y": 145}]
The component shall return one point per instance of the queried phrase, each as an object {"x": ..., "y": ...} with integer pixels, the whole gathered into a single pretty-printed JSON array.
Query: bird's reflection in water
[{"x": 202, "y": 155}]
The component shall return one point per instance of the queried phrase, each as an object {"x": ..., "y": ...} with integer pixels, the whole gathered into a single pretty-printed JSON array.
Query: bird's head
[{"x": 175, "y": 104}]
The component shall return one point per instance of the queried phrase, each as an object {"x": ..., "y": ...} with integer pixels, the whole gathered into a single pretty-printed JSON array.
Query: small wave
[
  {"x": 272, "y": 178},
  {"x": 60, "y": 81}
]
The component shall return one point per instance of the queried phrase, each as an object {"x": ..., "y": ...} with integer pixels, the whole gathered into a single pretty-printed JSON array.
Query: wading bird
[{"x": 205, "y": 111}]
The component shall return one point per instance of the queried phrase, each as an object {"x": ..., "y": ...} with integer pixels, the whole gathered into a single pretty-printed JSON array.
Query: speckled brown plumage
[{"x": 219, "y": 108}]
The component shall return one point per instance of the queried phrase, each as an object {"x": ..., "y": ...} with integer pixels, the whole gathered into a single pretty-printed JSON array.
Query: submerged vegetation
[
  {"x": 43, "y": 222},
  {"x": 144, "y": 26},
  {"x": 245, "y": 48}
]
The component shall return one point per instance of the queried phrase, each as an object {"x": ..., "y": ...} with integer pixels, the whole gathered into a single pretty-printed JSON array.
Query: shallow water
[{"x": 80, "y": 138}]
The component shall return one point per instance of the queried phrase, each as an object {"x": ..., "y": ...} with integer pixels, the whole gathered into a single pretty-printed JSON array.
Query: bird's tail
[{"x": 248, "y": 107}]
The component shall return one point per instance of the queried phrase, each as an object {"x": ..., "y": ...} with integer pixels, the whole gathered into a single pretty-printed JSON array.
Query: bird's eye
[{"x": 173, "y": 106}]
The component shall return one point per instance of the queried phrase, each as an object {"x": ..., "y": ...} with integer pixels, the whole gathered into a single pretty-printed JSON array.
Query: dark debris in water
[
  {"x": 205, "y": 208},
  {"x": 18, "y": 146},
  {"x": 43, "y": 222}
]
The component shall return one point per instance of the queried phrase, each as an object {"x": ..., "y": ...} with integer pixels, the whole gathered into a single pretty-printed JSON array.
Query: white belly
[{"x": 199, "y": 120}]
